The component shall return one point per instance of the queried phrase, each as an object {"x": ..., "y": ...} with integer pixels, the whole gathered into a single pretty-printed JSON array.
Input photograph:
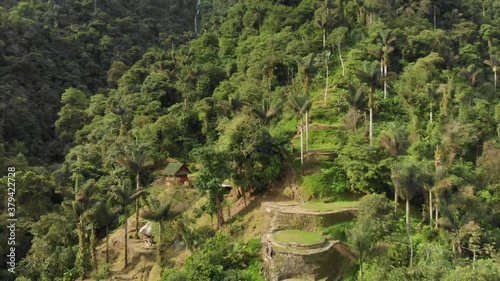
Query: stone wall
[
  {"x": 326, "y": 265},
  {"x": 309, "y": 221}
]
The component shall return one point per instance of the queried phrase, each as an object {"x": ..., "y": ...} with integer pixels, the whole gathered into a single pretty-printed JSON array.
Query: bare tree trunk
[
  {"x": 324, "y": 38},
  {"x": 243, "y": 194},
  {"x": 385, "y": 81},
  {"x": 341, "y": 61},
  {"x": 430, "y": 207},
  {"x": 371, "y": 125},
  {"x": 107, "y": 244},
  {"x": 408, "y": 234},
  {"x": 93, "y": 254},
  {"x": 434, "y": 16},
  {"x": 430, "y": 113},
  {"x": 137, "y": 208},
  {"x": 360, "y": 268},
  {"x": 437, "y": 213},
  {"x": 395, "y": 199},
  {"x": 381, "y": 66},
  {"x": 495, "y": 79},
  {"x": 220, "y": 215},
  {"x": 307, "y": 134},
  {"x": 126, "y": 242},
  {"x": 326, "y": 84},
  {"x": 474, "y": 259},
  {"x": 301, "y": 142},
  {"x": 160, "y": 242}
]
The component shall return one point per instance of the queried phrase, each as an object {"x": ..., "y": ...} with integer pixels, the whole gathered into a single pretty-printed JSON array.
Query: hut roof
[{"x": 175, "y": 169}]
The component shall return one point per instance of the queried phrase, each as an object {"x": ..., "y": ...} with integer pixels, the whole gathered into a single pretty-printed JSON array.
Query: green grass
[
  {"x": 326, "y": 207},
  {"x": 298, "y": 236}
]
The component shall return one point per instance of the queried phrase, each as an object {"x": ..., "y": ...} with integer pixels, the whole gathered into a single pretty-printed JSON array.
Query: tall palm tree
[
  {"x": 119, "y": 108},
  {"x": 494, "y": 63},
  {"x": 104, "y": 214},
  {"x": 356, "y": 99},
  {"x": 395, "y": 141},
  {"x": 158, "y": 212},
  {"x": 368, "y": 74},
  {"x": 409, "y": 176},
  {"x": 123, "y": 197},
  {"x": 324, "y": 18},
  {"x": 433, "y": 94},
  {"x": 300, "y": 103},
  {"x": 81, "y": 207},
  {"x": 136, "y": 160},
  {"x": 386, "y": 50}
]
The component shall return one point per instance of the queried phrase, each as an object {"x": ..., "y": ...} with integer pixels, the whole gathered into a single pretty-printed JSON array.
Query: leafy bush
[
  {"x": 330, "y": 182},
  {"x": 102, "y": 272},
  {"x": 338, "y": 231},
  {"x": 220, "y": 259}
]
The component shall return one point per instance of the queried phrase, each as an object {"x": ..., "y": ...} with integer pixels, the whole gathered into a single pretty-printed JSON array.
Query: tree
[
  {"x": 374, "y": 221},
  {"x": 104, "y": 214},
  {"x": 81, "y": 207},
  {"x": 336, "y": 38},
  {"x": 368, "y": 74},
  {"x": 215, "y": 169},
  {"x": 72, "y": 115},
  {"x": 471, "y": 74},
  {"x": 137, "y": 160},
  {"x": 395, "y": 142},
  {"x": 300, "y": 103},
  {"x": 356, "y": 99},
  {"x": 157, "y": 212},
  {"x": 386, "y": 50},
  {"x": 324, "y": 18},
  {"x": 409, "y": 176},
  {"x": 123, "y": 197},
  {"x": 494, "y": 63}
]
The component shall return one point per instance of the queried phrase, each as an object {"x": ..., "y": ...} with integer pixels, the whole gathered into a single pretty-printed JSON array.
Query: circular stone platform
[{"x": 297, "y": 240}]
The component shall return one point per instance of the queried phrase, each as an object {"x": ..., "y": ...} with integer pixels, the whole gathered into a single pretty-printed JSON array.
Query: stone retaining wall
[{"x": 327, "y": 264}]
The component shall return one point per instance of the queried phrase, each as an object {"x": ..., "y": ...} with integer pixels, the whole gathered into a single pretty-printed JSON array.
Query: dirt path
[{"x": 275, "y": 194}]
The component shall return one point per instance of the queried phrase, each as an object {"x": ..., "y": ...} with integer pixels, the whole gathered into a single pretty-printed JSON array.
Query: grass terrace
[
  {"x": 298, "y": 236},
  {"x": 319, "y": 206}
]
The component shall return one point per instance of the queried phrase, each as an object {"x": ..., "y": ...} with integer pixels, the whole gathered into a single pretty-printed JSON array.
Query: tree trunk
[
  {"x": 381, "y": 67},
  {"x": 395, "y": 199},
  {"x": 81, "y": 257},
  {"x": 434, "y": 11},
  {"x": 371, "y": 125},
  {"x": 302, "y": 145},
  {"x": 107, "y": 244},
  {"x": 341, "y": 61},
  {"x": 243, "y": 194},
  {"x": 326, "y": 83},
  {"x": 495, "y": 73},
  {"x": 126, "y": 242},
  {"x": 324, "y": 38},
  {"x": 93, "y": 242},
  {"x": 408, "y": 235},
  {"x": 385, "y": 81},
  {"x": 137, "y": 209},
  {"x": 430, "y": 113},
  {"x": 430, "y": 207},
  {"x": 474, "y": 259},
  {"x": 160, "y": 242},
  {"x": 307, "y": 134},
  {"x": 437, "y": 212},
  {"x": 220, "y": 215},
  {"x": 361, "y": 268}
]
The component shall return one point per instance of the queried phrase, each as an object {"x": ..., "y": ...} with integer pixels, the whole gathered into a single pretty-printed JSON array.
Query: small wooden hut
[{"x": 176, "y": 173}]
